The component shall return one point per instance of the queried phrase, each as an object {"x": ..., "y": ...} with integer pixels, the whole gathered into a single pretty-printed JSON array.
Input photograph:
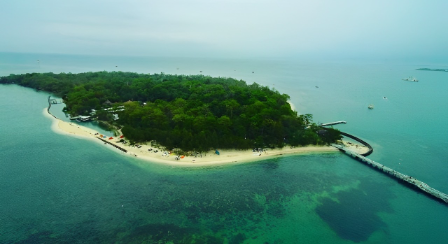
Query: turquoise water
[{"x": 59, "y": 189}]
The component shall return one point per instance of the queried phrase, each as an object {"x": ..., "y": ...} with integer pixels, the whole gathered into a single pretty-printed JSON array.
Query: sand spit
[
  {"x": 207, "y": 158},
  {"x": 355, "y": 147}
]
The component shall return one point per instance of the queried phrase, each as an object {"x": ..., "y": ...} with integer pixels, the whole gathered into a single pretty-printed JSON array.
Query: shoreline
[{"x": 208, "y": 158}]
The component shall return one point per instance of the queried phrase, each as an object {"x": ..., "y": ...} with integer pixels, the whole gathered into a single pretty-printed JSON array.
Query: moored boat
[{"x": 411, "y": 79}]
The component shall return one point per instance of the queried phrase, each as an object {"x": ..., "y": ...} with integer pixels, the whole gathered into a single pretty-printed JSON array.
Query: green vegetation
[{"x": 189, "y": 112}]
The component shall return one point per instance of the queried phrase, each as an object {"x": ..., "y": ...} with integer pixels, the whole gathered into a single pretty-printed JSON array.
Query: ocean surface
[{"x": 60, "y": 189}]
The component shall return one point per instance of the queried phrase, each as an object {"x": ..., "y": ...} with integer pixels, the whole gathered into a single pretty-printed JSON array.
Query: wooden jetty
[
  {"x": 334, "y": 123},
  {"x": 409, "y": 180},
  {"x": 120, "y": 148}
]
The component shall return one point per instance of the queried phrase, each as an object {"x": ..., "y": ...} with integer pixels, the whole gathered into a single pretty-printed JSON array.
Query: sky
[{"x": 226, "y": 28}]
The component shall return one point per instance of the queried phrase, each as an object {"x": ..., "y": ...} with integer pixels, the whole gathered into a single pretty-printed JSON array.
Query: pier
[
  {"x": 49, "y": 106},
  {"x": 370, "y": 151},
  {"x": 120, "y": 148},
  {"x": 408, "y": 180},
  {"x": 334, "y": 123}
]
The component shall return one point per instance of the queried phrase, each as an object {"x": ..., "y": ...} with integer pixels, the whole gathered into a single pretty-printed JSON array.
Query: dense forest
[{"x": 193, "y": 112}]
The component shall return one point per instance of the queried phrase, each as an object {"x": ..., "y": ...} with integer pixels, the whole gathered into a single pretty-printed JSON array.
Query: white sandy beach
[
  {"x": 355, "y": 147},
  {"x": 208, "y": 158}
]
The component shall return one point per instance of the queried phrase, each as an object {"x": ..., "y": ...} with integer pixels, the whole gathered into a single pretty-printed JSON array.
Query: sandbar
[
  {"x": 355, "y": 147},
  {"x": 207, "y": 159}
]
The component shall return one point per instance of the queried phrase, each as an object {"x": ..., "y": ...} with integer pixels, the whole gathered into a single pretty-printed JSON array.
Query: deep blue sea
[{"x": 60, "y": 189}]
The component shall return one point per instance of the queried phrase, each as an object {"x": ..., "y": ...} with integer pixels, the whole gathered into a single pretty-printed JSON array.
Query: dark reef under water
[
  {"x": 355, "y": 216},
  {"x": 235, "y": 204}
]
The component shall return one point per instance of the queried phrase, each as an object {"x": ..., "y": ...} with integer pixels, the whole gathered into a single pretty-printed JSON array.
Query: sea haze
[{"x": 60, "y": 189}]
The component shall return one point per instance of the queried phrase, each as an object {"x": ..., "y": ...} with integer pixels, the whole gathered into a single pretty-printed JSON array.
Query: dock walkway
[
  {"x": 49, "y": 106},
  {"x": 397, "y": 175},
  {"x": 334, "y": 123},
  {"x": 118, "y": 147},
  {"x": 370, "y": 151}
]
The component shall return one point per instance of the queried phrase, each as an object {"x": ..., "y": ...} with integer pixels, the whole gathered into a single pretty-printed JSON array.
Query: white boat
[
  {"x": 370, "y": 106},
  {"x": 411, "y": 79}
]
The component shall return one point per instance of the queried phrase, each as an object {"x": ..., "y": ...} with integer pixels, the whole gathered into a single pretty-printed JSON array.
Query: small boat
[
  {"x": 370, "y": 106},
  {"x": 411, "y": 79}
]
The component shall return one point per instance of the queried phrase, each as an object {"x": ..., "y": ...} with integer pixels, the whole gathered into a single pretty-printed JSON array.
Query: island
[
  {"x": 180, "y": 116},
  {"x": 427, "y": 69}
]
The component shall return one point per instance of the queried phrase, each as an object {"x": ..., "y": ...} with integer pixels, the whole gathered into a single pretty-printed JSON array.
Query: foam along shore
[{"x": 208, "y": 158}]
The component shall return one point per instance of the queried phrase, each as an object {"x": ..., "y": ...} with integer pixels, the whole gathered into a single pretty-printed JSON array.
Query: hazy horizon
[{"x": 227, "y": 28}]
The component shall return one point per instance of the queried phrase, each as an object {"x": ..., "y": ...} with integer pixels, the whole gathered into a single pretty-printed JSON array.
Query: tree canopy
[{"x": 192, "y": 112}]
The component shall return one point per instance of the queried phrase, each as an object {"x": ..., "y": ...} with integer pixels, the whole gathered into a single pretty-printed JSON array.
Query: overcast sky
[{"x": 230, "y": 28}]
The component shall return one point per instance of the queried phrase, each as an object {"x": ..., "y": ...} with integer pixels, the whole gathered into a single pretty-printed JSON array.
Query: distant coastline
[{"x": 427, "y": 69}]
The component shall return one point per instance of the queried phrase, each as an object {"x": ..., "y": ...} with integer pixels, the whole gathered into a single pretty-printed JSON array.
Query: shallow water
[{"x": 67, "y": 190}]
